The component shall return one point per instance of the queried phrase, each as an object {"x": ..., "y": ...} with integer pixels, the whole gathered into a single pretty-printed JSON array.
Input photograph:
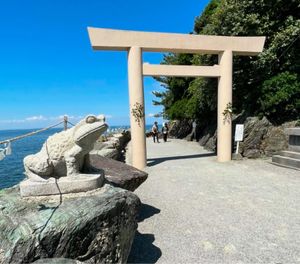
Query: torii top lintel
[{"x": 110, "y": 39}]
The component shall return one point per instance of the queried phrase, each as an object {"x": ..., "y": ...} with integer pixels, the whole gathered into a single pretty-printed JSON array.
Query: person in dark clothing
[
  {"x": 155, "y": 132},
  {"x": 165, "y": 131}
]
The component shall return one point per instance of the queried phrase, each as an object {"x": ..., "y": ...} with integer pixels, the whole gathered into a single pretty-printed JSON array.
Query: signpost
[{"x": 238, "y": 135}]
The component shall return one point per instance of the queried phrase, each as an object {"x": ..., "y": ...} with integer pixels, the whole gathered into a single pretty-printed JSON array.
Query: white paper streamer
[
  {"x": 2, "y": 154},
  {"x": 8, "y": 150}
]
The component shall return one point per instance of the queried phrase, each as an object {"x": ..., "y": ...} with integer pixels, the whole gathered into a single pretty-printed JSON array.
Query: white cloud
[
  {"x": 27, "y": 119},
  {"x": 35, "y": 118},
  {"x": 151, "y": 115},
  {"x": 61, "y": 117},
  {"x": 12, "y": 121}
]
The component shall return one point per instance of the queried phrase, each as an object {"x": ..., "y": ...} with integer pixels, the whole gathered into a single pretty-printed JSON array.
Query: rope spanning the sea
[{"x": 7, "y": 143}]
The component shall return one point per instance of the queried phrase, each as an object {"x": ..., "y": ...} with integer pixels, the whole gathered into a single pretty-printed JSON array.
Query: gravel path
[{"x": 196, "y": 210}]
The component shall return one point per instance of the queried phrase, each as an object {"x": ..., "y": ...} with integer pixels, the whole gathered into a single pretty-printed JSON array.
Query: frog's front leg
[{"x": 72, "y": 158}]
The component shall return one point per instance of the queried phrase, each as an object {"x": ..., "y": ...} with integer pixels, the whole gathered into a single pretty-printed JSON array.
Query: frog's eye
[{"x": 90, "y": 119}]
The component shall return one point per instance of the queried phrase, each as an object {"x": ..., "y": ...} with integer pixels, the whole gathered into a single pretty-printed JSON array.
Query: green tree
[
  {"x": 280, "y": 99},
  {"x": 279, "y": 21}
]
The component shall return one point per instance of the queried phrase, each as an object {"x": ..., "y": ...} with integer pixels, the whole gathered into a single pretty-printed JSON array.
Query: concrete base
[
  {"x": 287, "y": 159},
  {"x": 79, "y": 183},
  {"x": 284, "y": 166},
  {"x": 290, "y": 158}
]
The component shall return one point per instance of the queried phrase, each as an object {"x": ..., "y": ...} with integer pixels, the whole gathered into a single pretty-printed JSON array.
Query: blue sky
[{"x": 48, "y": 68}]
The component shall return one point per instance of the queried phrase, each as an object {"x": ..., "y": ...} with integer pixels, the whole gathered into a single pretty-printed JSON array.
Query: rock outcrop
[
  {"x": 92, "y": 227},
  {"x": 255, "y": 130},
  {"x": 114, "y": 147},
  {"x": 116, "y": 173},
  {"x": 261, "y": 138},
  {"x": 180, "y": 128},
  {"x": 57, "y": 261},
  {"x": 208, "y": 137}
]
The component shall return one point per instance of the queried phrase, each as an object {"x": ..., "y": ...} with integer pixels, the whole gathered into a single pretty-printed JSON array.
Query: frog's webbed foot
[{"x": 34, "y": 177}]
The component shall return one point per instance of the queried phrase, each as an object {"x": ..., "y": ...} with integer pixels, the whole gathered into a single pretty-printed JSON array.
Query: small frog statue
[{"x": 63, "y": 153}]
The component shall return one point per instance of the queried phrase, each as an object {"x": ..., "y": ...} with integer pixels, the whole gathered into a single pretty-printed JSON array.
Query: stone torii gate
[{"x": 135, "y": 42}]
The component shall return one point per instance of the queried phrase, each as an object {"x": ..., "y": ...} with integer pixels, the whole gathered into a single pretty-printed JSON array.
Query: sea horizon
[
  {"x": 61, "y": 127},
  {"x": 12, "y": 168}
]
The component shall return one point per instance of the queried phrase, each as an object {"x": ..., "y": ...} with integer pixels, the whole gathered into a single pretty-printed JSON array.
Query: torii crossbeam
[{"x": 135, "y": 42}]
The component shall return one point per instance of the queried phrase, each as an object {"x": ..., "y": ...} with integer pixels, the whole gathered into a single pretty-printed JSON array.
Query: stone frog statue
[{"x": 63, "y": 153}]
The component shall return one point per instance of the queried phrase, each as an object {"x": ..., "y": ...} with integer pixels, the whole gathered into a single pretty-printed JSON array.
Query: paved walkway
[{"x": 196, "y": 210}]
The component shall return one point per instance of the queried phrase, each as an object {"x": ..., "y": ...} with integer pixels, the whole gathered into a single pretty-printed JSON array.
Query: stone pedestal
[
  {"x": 52, "y": 186},
  {"x": 294, "y": 138},
  {"x": 291, "y": 157}
]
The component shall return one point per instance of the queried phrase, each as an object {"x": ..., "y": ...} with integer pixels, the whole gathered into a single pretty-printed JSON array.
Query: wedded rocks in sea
[
  {"x": 92, "y": 227},
  {"x": 116, "y": 173}
]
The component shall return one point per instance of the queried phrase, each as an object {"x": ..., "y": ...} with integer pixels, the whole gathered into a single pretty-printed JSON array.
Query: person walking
[
  {"x": 155, "y": 132},
  {"x": 194, "y": 132},
  {"x": 165, "y": 131}
]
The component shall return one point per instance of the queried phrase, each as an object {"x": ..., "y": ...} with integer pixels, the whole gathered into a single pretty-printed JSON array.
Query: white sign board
[{"x": 239, "y": 133}]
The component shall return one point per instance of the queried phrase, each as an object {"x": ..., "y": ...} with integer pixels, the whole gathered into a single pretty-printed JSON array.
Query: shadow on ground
[
  {"x": 147, "y": 211},
  {"x": 143, "y": 250},
  {"x": 155, "y": 161}
]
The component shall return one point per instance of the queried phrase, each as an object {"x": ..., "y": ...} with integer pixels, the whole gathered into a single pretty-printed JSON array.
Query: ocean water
[{"x": 11, "y": 167}]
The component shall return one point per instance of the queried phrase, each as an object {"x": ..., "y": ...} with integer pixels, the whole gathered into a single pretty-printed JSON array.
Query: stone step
[
  {"x": 290, "y": 154},
  {"x": 286, "y": 161}
]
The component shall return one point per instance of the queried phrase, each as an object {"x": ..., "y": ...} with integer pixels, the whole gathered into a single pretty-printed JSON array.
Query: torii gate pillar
[
  {"x": 136, "y": 103},
  {"x": 135, "y": 43},
  {"x": 224, "y": 131}
]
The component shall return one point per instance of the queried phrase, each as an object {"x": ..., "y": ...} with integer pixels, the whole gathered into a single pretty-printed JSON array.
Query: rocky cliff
[{"x": 261, "y": 138}]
